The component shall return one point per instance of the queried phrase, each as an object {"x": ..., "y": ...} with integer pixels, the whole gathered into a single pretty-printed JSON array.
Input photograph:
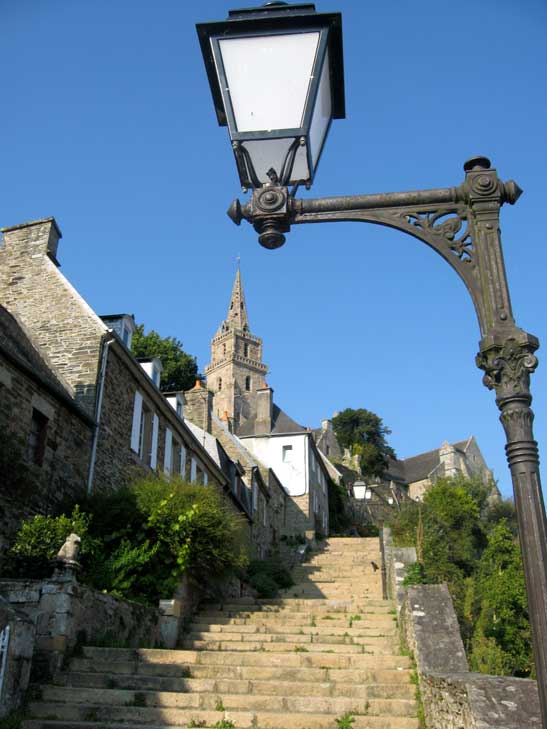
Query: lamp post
[{"x": 276, "y": 78}]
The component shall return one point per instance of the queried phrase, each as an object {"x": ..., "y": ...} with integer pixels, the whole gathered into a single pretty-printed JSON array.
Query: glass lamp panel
[
  {"x": 268, "y": 79},
  {"x": 321, "y": 114},
  {"x": 271, "y": 153}
]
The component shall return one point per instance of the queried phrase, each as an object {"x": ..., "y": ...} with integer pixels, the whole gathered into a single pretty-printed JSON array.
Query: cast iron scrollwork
[{"x": 447, "y": 224}]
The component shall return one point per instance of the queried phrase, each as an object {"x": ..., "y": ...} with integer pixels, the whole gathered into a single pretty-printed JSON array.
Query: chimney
[
  {"x": 326, "y": 424},
  {"x": 199, "y": 405},
  {"x": 226, "y": 420},
  {"x": 38, "y": 236},
  {"x": 264, "y": 407}
]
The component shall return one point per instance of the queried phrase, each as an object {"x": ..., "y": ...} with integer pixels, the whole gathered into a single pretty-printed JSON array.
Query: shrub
[
  {"x": 167, "y": 529},
  {"x": 140, "y": 540},
  {"x": 39, "y": 540}
]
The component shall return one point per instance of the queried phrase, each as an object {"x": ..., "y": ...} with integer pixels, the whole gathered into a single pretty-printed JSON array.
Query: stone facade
[
  {"x": 46, "y": 435},
  {"x": 136, "y": 430},
  {"x": 62, "y": 324}
]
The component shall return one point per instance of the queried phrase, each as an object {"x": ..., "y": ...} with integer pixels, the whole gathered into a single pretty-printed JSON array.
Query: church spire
[{"x": 237, "y": 311}]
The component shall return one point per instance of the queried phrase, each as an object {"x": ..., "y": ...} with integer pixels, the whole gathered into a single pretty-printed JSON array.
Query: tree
[
  {"x": 364, "y": 434},
  {"x": 502, "y": 640},
  {"x": 180, "y": 370}
]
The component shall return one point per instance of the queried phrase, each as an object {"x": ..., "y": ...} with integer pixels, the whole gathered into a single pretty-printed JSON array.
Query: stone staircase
[{"x": 327, "y": 649}]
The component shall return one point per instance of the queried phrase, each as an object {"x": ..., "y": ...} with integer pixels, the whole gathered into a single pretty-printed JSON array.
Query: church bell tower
[{"x": 236, "y": 369}]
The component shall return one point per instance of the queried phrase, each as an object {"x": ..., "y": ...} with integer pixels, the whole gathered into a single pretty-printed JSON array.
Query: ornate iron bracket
[{"x": 460, "y": 223}]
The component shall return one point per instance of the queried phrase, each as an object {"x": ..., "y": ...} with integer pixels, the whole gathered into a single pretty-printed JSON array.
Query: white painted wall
[{"x": 294, "y": 474}]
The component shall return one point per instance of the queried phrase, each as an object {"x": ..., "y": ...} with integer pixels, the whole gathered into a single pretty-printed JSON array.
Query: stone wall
[
  {"x": 67, "y": 614},
  {"x": 453, "y": 697},
  {"x": 298, "y": 520},
  {"x": 28, "y": 488}
]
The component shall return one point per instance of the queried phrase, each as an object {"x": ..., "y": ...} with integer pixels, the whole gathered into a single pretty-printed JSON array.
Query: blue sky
[{"x": 107, "y": 124}]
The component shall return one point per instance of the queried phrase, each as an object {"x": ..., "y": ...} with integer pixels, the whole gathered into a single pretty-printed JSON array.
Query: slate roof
[
  {"x": 18, "y": 347},
  {"x": 281, "y": 424},
  {"x": 211, "y": 445},
  {"x": 419, "y": 467}
]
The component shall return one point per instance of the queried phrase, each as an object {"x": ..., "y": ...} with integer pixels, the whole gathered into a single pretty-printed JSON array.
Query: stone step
[
  {"x": 171, "y": 718},
  {"x": 367, "y": 690},
  {"x": 287, "y": 602},
  {"x": 166, "y": 676},
  {"x": 285, "y": 638},
  {"x": 334, "y": 607},
  {"x": 119, "y": 698},
  {"x": 340, "y": 618},
  {"x": 101, "y": 658},
  {"x": 356, "y": 630},
  {"x": 287, "y": 647}
]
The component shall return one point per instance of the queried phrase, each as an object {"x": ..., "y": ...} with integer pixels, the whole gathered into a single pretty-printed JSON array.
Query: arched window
[
  {"x": 220, "y": 383},
  {"x": 248, "y": 383}
]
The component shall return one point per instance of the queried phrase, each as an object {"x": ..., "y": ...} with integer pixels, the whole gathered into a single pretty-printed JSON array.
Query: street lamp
[{"x": 460, "y": 223}]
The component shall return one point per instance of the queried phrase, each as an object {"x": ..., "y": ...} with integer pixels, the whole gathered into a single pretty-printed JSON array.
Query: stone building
[
  {"x": 463, "y": 458},
  {"x": 241, "y": 397},
  {"x": 45, "y": 440},
  {"x": 258, "y": 487},
  {"x": 135, "y": 429}
]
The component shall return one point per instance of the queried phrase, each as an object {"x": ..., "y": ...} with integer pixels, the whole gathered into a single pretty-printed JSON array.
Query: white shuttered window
[
  {"x": 168, "y": 451},
  {"x": 136, "y": 426},
  {"x": 154, "y": 450}
]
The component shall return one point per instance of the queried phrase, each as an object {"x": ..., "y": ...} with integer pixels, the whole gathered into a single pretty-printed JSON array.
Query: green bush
[
  {"x": 268, "y": 576},
  {"x": 39, "y": 540},
  {"x": 140, "y": 540},
  {"x": 472, "y": 546}
]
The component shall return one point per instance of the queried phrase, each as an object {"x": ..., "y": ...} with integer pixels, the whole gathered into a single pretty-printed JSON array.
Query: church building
[{"x": 241, "y": 397}]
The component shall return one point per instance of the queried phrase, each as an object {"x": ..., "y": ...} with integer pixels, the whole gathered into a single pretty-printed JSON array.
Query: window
[
  {"x": 179, "y": 408},
  {"x": 245, "y": 350},
  {"x": 37, "y": 437},
  {"x": 255, "y": 496},
  {"x": 328, "y": 450},
  {"x": 248, "y": 383},
  {"x": 219, "y": 384},
  {"x": 287, "y": 453},
  {"x": 144, "y": 431},
  {"x": 224, "y": 349},
  {"x": 193, "y": 470},
  {"x": 168, "y": 456},
  {"x": 156, "y": 376}
]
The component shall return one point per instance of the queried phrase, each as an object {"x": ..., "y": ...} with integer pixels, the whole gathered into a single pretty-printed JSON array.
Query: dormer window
[
  {"x": 153, "y": 368},
  {"x": 124, "y": 326}
]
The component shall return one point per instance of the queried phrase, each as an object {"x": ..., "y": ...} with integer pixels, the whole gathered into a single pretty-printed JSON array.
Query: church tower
[{"x": 236, "y": 370}]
